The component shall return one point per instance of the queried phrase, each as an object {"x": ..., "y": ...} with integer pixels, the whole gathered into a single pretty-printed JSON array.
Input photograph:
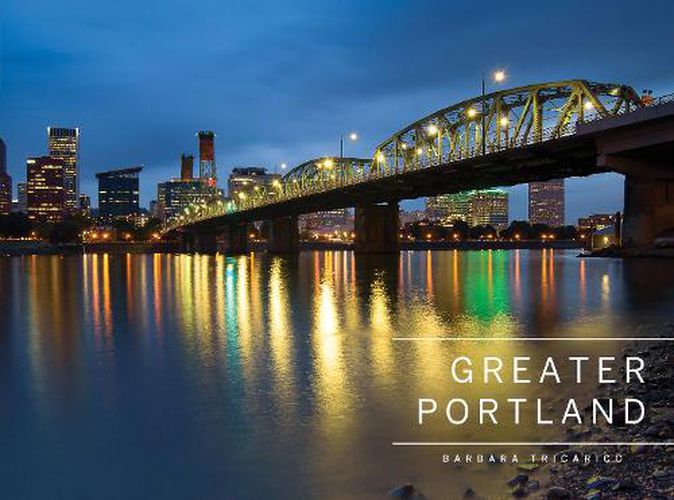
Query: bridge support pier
[
  {"x": 283, "y": 235},
  {"x": 186, "y": 244},
  {"x": 205, "y": 241},
  {"x": 234, "y": 238},
  {"x": 377, "y": 228},
  {"x": 649, "y": 209}
]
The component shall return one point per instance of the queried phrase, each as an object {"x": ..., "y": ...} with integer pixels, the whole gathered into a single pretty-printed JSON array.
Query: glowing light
[
  {"x": 499, "y": 75},
  {"x": 283, "y": 166},
  {"x": 588, "y": 106},
  {"x": 328, "y": 163},
  {"x": 403, "y": 145},
  {"x": 380, "y": 157},
  {"x": 242, "y": 195},
  {"x": 504, "y": 121},
  {"x": 353, "y": 136},
  {"x": 432, "y": 129},
  {"x": 471, "y": 112},
  {"x": 420, "y": 151}
]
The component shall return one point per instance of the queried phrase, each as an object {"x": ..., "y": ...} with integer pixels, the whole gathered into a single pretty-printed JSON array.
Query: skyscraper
[
  {"x": 45, "y": 194},
  {"x": 5, "y": 182},
  {"x": 118, "y": 193},
  {"x": 546, "y": 203},
  {"x": 207, "y": 168},
  {"x": 64, "y": 145}
]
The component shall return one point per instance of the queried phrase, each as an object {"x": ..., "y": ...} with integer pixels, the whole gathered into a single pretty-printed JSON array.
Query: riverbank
[
  {"x": 35, "y": 247},
  {"x": 644, "y": 471}
]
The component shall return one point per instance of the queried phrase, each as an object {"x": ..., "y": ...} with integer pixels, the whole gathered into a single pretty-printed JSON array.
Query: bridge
[{"x": 525, "y": 134}]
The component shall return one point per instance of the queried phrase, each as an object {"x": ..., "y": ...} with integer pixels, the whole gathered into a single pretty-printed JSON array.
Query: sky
[{"x": 279, "y": 81}]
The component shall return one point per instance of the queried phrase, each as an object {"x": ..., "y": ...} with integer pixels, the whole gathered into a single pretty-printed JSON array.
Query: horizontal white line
[
  {"x": 533, "y": 339},
  {"x": 521, "y": 443}
]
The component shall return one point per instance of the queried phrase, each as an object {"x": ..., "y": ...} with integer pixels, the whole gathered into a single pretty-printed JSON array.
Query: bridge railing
[{"x": 327, "y": 183}]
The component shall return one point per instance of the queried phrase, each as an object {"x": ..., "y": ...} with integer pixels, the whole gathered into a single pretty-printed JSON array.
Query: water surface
[{"x": 136, "y": 376}]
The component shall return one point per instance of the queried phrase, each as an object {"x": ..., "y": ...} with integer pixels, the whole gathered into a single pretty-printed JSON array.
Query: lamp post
[
  {"x": 498, "y": 76},
  {"x": 352, "y": 137}
]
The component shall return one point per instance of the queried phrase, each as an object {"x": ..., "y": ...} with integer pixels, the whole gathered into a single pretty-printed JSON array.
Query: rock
[
  {"x": 652, "y": 431},
  {"x": 406, "y": 491},
  {"x": 529, "y": 466},
  {"x": 557, "y": 492},
  {"x": 600, "y": 482},
  {"x": 593, "y": 495},
  {"x": 518, "y": 479},
  {"x": 469, "y": 493},
  {"x": 519, "y": 491}
]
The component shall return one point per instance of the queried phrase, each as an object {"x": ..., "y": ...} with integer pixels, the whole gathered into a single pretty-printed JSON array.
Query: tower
[
  {"x": 207, "y": 169},
  {"x": 64, "y": 145}
]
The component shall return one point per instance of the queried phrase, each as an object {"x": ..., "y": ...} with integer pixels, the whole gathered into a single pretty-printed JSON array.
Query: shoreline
[{"x": 31, "y": 247}]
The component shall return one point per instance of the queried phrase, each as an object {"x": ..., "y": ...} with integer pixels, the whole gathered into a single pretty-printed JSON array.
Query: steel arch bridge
[{"x": 504, "y": 120}]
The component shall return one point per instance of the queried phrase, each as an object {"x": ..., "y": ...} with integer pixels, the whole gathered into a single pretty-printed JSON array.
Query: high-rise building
[
  {"x": 22, "y": 197},
  {"x": 546, "y": 203},
  {"x": 207, "y": 168},
  {"x": 174, "y": 196},
  {"x": 118, "y": 193},
  {"x": 186, "y": 167},
  {"x": 45, "y": 194},
  {"x": 489, "y": 207},
  {"x": 64, "y": 145},
  {"x": 154, "y": 208},
  {"x": 84, "y": 205},
  {"x": 448, "y": 208},
  {"x": 244, "y": 179},
  {"x": 5, "y": 182}
]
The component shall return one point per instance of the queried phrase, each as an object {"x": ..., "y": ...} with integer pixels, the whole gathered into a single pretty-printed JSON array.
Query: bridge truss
[{"x": 495, "y": 122}]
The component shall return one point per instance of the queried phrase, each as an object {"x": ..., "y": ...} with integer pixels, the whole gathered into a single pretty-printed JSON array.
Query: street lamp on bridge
[
  {"x": 353, "y": 137},
  {"x": 498, "y": 76}
]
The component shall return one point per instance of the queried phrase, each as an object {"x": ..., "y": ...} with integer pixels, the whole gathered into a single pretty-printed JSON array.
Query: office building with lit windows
[
  {"x": 64, "y": 145},
  {"x": 118, "y": 193},
  {"x": 5, "y": 182},
  {"x": 449, "y": 208},
  {"x": 45, "y": 193},
  {"x": 546, "y": 203},
  {"x": 174, "y": 196},
  {"x": 489, "y": 207}
]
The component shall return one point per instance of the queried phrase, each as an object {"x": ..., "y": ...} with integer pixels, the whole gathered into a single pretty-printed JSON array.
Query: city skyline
[{"x": 307, "y": 108}]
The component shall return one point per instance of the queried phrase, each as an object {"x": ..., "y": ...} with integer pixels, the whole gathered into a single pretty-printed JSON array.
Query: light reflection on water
[{"x": 188, "y": 376}]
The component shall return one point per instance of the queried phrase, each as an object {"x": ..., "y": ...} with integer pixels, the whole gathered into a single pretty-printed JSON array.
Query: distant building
[
  {"x": 21, "y": 197},
  {"x": 546, "y": 203},
  {"x": 84, "y": 205},
  {"x": 174, "y": 196},
  {"x": 186, "y": 167},
  {"x": 327, "y": 221},
  {"x": 64, "y": 145},
  {"x": 45, "y": 193},
  {"x": 207, "y": 169},
  {"x": 5, "y": 182},
  {"x": 243, "y": 179},
  {"x": 489, "y": 207},
  {"x": 118, "y": 193},
  {"x": 448, "y": 208},
  {"x": 412, "y": 216},
  {"x": 154, "y": 208},
  {"x": 596, "y": 222}
]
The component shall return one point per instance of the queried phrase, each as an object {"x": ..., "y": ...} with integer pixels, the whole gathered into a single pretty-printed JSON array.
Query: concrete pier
[
  {"x": 283, "y": 235},
  {"x": 377, "y": 228}
]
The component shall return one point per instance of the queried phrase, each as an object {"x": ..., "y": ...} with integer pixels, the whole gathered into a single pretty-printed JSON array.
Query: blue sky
[{"x": 279, "y": 81}]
